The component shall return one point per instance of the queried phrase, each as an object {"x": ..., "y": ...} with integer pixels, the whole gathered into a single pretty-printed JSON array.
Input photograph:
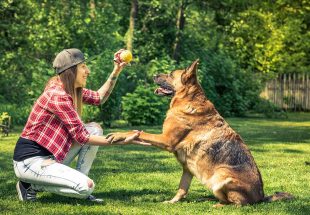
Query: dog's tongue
[{"x": 161, "y": 91}]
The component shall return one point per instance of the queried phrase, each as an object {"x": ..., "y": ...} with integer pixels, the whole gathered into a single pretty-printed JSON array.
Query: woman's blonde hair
[{"x": 68, "y": 79}]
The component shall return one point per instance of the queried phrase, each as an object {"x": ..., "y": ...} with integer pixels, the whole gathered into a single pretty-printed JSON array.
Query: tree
[
  {"x": 180, "y": 28},
  {"x": 131, "y": 29}
]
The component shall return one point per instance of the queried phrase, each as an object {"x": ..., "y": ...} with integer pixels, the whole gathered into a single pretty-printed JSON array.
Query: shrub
[
  {"x": 232, "y": 89},
  {"x": 19, "y": 113},
  {"x": 91, "y": 114},
  {"x": 119, "y": 123},
  {"x": 143, "y": 107},
  {"x": 269, "y": 109}
]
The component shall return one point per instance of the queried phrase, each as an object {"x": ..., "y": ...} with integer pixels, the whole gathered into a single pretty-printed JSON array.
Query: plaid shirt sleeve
[
  {"x": 91, "y": 97},
  {"x": 62, "y": 107}
]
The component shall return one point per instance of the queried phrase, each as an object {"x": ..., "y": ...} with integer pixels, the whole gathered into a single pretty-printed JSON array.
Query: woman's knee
[
  {"x": 90, "y": 183},
  {"x": 88, "y": 189},
  {"x": 94, "y": 128}
]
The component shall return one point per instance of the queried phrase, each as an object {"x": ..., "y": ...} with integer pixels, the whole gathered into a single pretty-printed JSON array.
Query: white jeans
[
  {"x": 87, "y": 153},
  {"x": 45, "y": 174}
]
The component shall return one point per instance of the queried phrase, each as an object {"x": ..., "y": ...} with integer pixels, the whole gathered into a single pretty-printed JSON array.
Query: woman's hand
[
  {"x": 120, "y": 138},
  {"x": 124, "y": 137},
  {"x": 118, "y": 65}
]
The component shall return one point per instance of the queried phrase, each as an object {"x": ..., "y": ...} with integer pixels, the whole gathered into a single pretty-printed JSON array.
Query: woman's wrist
[
  {"x": 114, "y": 75},
  {"x": 97, "y": 140},
  {"x": 116, "y": 71}
]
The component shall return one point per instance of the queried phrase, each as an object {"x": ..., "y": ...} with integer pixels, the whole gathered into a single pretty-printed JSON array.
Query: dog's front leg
[
  {"x": 184, "y": 185},
  {"x": 160, "y": 140},
  {"x": 167, "y": 140}
]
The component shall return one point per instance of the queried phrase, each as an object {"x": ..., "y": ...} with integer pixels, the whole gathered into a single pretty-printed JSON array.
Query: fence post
[{"x": 294, "y": 87}]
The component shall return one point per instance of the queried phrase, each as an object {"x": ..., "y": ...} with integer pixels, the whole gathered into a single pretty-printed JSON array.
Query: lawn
[{"x": 136, "y": 179}]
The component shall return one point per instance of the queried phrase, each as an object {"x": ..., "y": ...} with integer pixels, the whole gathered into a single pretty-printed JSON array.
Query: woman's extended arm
[
  {"x": 108, "y": 86},
  {"x": 97, "y": 140},
  {"x": 102, "y": 141}
]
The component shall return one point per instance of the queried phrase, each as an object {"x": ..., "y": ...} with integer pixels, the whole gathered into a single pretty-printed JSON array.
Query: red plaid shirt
[{"x": 54, "y": 122}]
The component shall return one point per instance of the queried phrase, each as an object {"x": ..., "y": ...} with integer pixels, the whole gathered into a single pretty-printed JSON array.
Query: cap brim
[{"x": 68, "y": 67}]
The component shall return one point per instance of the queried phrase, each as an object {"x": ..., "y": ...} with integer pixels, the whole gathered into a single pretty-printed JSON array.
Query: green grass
[{"x": 136, "y": 179}]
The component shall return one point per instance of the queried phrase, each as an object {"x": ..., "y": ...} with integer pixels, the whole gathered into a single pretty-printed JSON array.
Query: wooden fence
[{"x": 289, "y": 91}]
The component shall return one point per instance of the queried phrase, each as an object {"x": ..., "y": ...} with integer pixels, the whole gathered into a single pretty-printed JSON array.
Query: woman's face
[{"x": 81, "y": 76}]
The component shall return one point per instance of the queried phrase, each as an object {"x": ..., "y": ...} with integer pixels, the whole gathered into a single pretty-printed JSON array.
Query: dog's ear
[
  {"x": 193, "y": 68},
  {"x": 190, "y": 73}
]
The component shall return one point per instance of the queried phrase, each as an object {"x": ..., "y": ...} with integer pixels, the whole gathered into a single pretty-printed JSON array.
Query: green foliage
[
  {"x": 229, "y": 87},
  {"x": 119, "y": 124},
  {"x": 143, "y": 107},
  {"x": 240, "y": 44},
  {"x": 4, "y": 117},
  {"x": 90, "y": 114},
  {"x": 155, "y": 29},
  {"x": 269, "y": 109},
  {"x": 19, "y": 113},
  {"x": 270, "y": 37}
]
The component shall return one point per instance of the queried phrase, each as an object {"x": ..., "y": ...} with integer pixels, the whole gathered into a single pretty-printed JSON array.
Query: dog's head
[{"x": 176, "y": 81}]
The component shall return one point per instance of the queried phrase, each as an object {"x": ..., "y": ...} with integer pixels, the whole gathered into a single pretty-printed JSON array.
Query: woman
[{"x": 54, "y": 133}]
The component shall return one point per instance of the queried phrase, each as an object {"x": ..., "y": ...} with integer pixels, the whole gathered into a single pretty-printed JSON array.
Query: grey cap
[{"x": 67, "y": 58}]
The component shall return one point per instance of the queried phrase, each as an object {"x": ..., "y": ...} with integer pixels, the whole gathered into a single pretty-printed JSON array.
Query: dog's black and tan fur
[{"x": 204, "y": 144}]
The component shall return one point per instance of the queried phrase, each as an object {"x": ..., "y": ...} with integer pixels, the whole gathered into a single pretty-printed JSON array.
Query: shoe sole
[
  {"x": 20, "y": 196},
  {"x": 97, "y": 201}
]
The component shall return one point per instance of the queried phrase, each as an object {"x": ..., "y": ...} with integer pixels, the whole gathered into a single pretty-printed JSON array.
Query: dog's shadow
[
  {"x": 56, "y": 199},
  {"x": 144, "y": 195},
  {"x": 114, "y": 195}
]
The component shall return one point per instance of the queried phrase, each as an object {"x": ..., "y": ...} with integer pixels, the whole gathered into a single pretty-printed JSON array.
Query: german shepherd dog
[{"x": 204, "y": 144}]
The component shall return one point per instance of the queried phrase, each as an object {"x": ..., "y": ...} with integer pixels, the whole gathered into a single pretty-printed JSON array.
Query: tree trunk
[
  {"x": 133, "y": 15},
  {"x": 92, "y": 7},
  {"x": 180, "y": 28}
]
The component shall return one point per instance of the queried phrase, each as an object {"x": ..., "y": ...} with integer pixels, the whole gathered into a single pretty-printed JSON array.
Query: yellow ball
[{"x": 126, "y": 56}]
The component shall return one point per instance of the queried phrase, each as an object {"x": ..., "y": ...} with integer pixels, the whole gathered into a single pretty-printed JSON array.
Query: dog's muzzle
[{"x": 164, "y": 89}]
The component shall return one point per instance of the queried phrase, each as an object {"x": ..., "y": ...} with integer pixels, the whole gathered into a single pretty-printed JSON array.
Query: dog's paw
[
  {"x": 218, "y": 205},
  {"x": 123, "y": 137},
  {"x": 168, "y": 202},
  {"x": 172, "y": 201},
  {"x": 115, "y": 137}
]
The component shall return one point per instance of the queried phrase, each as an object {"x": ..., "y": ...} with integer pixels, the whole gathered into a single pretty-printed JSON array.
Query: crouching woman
[{"x": 54, "y": 133}]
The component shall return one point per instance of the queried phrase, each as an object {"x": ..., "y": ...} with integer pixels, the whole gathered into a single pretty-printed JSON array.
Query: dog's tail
[{"x": 278, "y": 196}]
